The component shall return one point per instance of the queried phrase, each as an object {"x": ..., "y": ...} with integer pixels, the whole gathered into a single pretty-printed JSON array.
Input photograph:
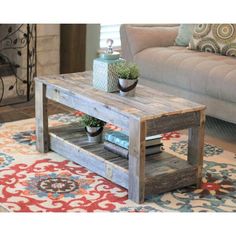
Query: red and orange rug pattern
[{"x": 35, "y": 182}]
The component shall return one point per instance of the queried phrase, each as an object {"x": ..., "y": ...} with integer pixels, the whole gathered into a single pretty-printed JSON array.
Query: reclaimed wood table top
[{"x": 147, "y": 103}]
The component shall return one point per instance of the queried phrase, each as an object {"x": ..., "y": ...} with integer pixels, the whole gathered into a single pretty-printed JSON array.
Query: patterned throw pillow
[{"x": 215, "y": 38}]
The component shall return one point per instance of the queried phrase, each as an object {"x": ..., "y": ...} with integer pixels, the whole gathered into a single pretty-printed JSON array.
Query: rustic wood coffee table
[{"x": 149, "y": 112}]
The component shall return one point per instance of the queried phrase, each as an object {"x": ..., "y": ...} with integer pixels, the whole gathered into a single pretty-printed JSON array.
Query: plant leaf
[
  {"x": 11, "y": 87},
  {"x": 19, "y": 53},
  {"x": 9, "y": 29}
]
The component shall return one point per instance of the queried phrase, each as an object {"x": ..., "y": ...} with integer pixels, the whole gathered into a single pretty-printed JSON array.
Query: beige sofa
[{"x": 202, "y": 77}]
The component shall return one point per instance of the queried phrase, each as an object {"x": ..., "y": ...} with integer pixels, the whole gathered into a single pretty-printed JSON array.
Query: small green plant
[
  {"x": 125, "y": 70},
  {"x": 91, "y": 121}
]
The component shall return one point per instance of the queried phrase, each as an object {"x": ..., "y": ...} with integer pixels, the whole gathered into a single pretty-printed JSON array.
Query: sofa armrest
[{"x": 135, "y": 38}]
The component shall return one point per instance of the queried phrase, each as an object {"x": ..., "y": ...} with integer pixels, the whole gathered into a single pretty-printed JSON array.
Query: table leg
[
  {"x": 137, "y": 134},
  {"x": 196, "y": 146},
  {"x": 42, "y": 140}
]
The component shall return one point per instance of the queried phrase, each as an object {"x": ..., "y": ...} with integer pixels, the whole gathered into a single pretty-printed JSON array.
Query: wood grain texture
[
  {"x": 163, "y": 171},
  {"x": 137, "y": 147},
  {"x": 41, "y": 116},
  {"x": 196, "y": 145},
  {"x": 71, "y": 141},
  {"x": 170, "y": 123},
  {"x": 88, "y": 106},
  {"x": 170, "y": 181},
  {"x": 147, "y": 104}
]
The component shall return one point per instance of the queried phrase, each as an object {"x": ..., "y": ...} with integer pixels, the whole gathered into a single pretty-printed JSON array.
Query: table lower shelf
[{"x": 163, "y": 172}]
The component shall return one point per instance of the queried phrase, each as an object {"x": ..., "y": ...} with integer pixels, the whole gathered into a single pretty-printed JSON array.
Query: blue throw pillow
[{"x": 184, "y": 34}]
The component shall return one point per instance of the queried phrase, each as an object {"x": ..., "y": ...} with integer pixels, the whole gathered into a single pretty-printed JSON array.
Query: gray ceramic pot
[
  {"x": 125, "y": 83},
  {"x": 91, "y": 131}
]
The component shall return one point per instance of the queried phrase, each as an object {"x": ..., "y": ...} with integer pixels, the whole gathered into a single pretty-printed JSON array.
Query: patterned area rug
[{"x": 34, "y": 182}]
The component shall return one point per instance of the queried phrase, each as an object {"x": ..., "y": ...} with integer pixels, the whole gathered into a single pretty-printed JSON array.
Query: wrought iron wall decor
[{"x": 17, "y": 60}]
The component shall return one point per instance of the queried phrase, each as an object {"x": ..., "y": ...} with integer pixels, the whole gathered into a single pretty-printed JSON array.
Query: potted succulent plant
[
  {"x": 128, "y": 74},
  {"x": 93, "y": 127}
]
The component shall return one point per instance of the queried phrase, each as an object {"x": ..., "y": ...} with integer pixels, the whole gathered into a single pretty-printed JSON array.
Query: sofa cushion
[
  {"x": 202, "y": 72},
  {"x": 216, "y": 38},
  {"x": 140, "y": 38},
  {"x": 184, "y": 34}
]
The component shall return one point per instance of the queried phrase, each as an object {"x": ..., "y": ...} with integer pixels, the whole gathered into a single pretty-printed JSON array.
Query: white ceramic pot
[
  {"x": 126, "y": 84},
  {"x": 91, "y": 133}
]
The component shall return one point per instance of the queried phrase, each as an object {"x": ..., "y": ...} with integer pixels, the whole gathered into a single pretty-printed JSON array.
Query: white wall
[{"x": 92, "y": 44}]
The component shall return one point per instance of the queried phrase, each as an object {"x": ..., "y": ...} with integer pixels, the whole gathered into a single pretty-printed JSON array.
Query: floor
[
  {"x": 27, "y": 110},
  {"x": 217, "y": 132}
]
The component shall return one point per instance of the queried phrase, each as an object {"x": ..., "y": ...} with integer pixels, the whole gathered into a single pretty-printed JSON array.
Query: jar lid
[{"x": 110, "y": 56}]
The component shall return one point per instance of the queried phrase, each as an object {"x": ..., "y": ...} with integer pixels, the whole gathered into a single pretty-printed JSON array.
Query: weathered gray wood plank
[
  {"x": 196, "y": 145},
  {"x": 88, "y": 106},
  {"x": 91, "y": 161},
  {"x": 137, "y": 134},
  {"x": 170, "y": 181},
  {"x": 163, "y": 163},
  {"x": 147, "y": 104},
  {"x": 77, "y": 136},
  {"x": 41, "y": 116},
  {"x": 166, "y": 124}
]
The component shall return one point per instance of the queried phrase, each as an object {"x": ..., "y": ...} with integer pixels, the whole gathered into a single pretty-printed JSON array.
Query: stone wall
[{"x": 48, "y": 49}]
